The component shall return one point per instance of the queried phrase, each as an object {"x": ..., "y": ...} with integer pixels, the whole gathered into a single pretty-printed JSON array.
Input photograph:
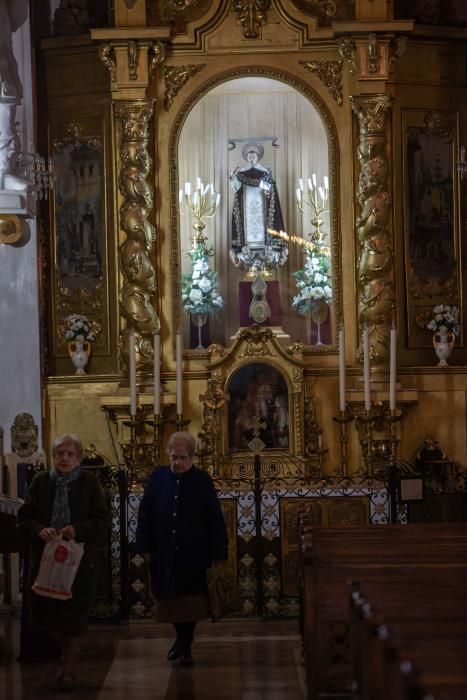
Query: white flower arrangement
[
  {"x": 79, "y": 327},
  {"x": 445, "y": 320},
  {"x": 314, "y": 281},
  {"x": 199, "y": 287}
]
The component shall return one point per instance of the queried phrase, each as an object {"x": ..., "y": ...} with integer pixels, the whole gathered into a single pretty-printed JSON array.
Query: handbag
[
  {"x": 58, "y": 568},
  {"x": 224, "y": 596}
]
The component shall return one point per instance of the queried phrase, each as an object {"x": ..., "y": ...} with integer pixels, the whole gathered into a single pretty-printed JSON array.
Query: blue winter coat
[{"x": 180, "y": 523}]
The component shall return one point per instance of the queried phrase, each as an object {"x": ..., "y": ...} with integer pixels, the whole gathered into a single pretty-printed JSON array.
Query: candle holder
[
  {"x": 308, "y": 203},
  {"x": 393, "y": 418},
  {"x": 344, "y": 419},
  {"x": 140, "y": 450},
  {"x": 202, "y": 204},
  {"x": 180, "y": 422}
]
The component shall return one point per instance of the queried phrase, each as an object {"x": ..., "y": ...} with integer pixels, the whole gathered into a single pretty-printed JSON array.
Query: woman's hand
[
  {"x": 47, "y": 534},
  {"x": 68, "y": 532}
]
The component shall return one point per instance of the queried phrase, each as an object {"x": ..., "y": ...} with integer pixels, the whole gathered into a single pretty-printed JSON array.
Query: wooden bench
[
  {"x": 434, "y": 653},
  {"x": 413, "y": 558}
]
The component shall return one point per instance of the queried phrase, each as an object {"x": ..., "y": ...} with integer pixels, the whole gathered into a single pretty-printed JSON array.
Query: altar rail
[{"x": 395, "y": 563}]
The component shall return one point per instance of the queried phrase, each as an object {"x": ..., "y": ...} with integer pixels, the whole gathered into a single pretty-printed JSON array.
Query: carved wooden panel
[{"x": 340, "y": 510}]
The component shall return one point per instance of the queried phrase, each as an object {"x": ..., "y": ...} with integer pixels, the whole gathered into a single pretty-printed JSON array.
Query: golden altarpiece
[{"x": 354, "y": 117}]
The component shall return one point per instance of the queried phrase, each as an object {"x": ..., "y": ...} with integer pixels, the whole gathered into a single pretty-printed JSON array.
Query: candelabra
[
  {"x": 141, "y": 454},
  {"x": 313, "y": 200},
  {"x": 201, "y": 204},
  {"x": 344, "y": 419},
  {"x": 40, "y": 177}
]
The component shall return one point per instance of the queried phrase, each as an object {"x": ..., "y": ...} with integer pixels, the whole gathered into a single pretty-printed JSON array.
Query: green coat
[{"x": 89, "y": 516}]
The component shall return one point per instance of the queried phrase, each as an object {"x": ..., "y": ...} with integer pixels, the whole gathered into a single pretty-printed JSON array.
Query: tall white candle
[
  {"x": 132, "y": 354},
  {"x": 366, "y": 368},
  {"x": 179, "y": 373},
  {"x": 392, "y": 369},
  {"x": 342, "y": 370},
  {"x": 157, "y": 373}
]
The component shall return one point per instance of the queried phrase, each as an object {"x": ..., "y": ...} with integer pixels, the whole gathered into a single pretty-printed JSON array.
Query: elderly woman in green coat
[{"x": 65, "y": 501}]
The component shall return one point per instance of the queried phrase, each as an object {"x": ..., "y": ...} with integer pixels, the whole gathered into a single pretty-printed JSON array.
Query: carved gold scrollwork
[
  {"x": 158, "y": 50},
  {"x": 210, "y": 435},
  {"x": 133, "y": 51},
  {"x": 175, "y": 78},
  {"x": 372, "y": 53},
  {"x": 175, "y": 8},
  {"x": 330, "y": 73},
  {"x": 252, "y": 15},
  {"x": 138, "y": 271},
  {"x": 107, "y": 56},
  {"x": 397, "y": 49},
  {"x": 375, "y": 264},
  {"x": 348, "y": 51}
]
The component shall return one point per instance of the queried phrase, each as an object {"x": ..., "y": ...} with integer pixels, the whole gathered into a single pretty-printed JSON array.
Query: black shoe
[
  {"x": 186, "y": 658},
  {"x": 175, "y": 652}
]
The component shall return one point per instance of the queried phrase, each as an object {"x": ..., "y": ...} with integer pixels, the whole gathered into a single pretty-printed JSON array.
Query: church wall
[{"x": 20, "y": 346}]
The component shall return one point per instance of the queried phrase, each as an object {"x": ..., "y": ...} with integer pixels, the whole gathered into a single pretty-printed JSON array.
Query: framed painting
[
  {"x": 258, "y": 407},
  {"x": 431, "y": 218}
]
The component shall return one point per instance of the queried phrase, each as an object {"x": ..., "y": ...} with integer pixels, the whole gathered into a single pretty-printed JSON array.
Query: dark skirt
[
  {"x": 186, "y": 608},
  {"x": 57, "y": 616}
]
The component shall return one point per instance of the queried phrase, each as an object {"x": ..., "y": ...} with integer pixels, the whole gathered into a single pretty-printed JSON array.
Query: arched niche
[{"x": 297, "y": 134}]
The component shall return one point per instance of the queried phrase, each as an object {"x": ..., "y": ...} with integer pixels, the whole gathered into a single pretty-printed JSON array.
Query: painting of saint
[{"x": 258, "y": 407}]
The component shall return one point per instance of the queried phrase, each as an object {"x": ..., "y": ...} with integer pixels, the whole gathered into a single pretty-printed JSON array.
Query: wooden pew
[
  {"x": 390, "y": 666},
  {"x": 428, "y": 555}
]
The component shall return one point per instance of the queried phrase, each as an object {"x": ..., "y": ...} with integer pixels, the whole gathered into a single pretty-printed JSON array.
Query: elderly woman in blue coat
[{"x": 182, "y": 529}]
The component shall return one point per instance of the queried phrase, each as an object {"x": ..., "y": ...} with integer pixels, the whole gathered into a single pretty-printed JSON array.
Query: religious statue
[
  {"x": 256, "y": 209},
  {"x": 13, "y": 13}
]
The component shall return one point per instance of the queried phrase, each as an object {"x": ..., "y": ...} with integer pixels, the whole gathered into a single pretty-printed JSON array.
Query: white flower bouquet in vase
[
  {"x": 79, "y": 332},
  {"x": 314, "y": 284},
  {"x": 446, "y": 328},
  {"x": 200, "y": 297}
]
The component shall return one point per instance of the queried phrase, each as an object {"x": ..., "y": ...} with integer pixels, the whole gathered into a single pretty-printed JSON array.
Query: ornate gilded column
[
  {"x": 131, "y": 55},
  {"x": 376, "y": 298},
  {"x": 139, "y": 277}
]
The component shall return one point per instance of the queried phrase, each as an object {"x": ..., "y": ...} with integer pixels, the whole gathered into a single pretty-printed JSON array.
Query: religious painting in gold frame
[
  {"x": 431, "y": 219},
  {"x": 78, "y": 241}
]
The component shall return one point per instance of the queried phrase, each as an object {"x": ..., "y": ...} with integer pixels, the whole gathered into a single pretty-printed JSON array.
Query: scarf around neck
[{"x": 61, "y": 514}]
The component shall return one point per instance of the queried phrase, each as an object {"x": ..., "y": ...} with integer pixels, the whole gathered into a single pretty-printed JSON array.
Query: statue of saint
[
  {"x": 13, "y": 13},
  {"x": 256, "y": 208}
]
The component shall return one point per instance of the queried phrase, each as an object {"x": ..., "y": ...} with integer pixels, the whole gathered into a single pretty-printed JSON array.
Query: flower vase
[
  {"x": 199, "y": 320},
  {"x": 319, "y": 313},
  {"x": 79, "y": 351},
  {"x": 443, "y": 344}
]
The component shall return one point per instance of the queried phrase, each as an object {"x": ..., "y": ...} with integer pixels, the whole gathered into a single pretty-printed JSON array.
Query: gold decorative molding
[
  {"x": 175, "y": 77},
  {"x": 252, "y": 15},
  {"x": 159, "y": 52},
  {"x": 133, "y": 51},
  {"x": 376, "y": 299},
  {"x": 11, "y": 229},
  {"x": 137, "y": 269},
  {"x": 330, "y": 73},
  {"x": 76, "y": 137},
  {"x": 211, "y": 434},
  {"x": 348, "y": 51},
  {"x": 107, "y": 56},
  {"x": 176, "y": 8}
]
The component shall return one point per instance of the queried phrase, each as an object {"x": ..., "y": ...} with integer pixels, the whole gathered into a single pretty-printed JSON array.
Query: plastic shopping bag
[{"x": 57, "y": 570}]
